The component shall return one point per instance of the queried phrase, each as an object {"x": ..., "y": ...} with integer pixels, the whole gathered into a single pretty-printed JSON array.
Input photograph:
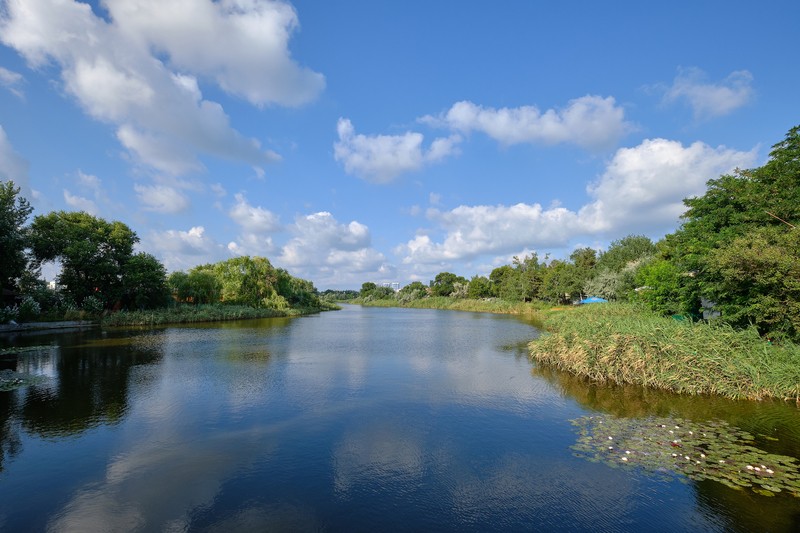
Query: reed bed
[
  {"x": 184, "y": 314},
  {"x": 623, "y": 344},
  {"x": 489, "y": 305}
]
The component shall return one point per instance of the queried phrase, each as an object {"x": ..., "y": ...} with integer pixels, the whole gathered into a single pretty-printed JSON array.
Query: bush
[
  {"x": 7, "y": 314},
  {"x": 92, "y": 305},
  {"x": 29, "y": 309}
]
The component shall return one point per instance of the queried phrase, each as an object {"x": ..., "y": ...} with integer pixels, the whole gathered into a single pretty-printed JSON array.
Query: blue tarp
[{"x": 593, "y": 300}]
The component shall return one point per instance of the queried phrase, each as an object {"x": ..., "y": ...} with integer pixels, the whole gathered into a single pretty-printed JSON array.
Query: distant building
[{"x": 392, "y": 285}]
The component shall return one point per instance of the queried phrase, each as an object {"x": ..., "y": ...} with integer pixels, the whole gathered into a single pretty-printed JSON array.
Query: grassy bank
[
  {"x": 623, "y": 344},
  {"x": 183, "y": 314},
  {"x": 491, "y": 305}
]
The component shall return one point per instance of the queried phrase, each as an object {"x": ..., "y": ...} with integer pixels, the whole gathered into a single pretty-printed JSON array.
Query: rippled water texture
[{"x": 357, "y": 420}]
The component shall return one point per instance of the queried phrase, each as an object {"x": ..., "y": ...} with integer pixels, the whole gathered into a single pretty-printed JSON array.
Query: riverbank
[
  {"x": 186, "y": 314},
  {"x": 182, "y": 314},
  {"x": 488, "y": 305},
  {"x": 622, "y": 344},
  {"x": 625, "y": 344}
]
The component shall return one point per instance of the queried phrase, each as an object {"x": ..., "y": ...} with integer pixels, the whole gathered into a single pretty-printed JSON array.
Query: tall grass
[
  {"x": 624, "y": 344},
  {"x": 490, "y": 305},
  {"x": 184, "y": 313}
]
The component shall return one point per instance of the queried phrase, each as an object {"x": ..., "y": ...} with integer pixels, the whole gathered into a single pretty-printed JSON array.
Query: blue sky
[{"x": 357, "y": 141}]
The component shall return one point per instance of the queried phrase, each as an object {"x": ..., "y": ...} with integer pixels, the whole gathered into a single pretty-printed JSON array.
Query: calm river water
[{"x": 364, "y": 419}]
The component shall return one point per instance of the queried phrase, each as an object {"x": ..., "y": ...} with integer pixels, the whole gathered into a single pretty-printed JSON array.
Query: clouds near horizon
[{"x": 642, "y": 188}]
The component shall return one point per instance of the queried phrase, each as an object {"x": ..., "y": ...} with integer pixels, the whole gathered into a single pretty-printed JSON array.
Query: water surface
[{"x": 356, "y": 420}]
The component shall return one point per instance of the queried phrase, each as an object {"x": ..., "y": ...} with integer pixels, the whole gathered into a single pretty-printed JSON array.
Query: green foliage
[
  {"x": 92, "y": 252},
  {"x": 658, "y": 284},
  {"x": 740, "y": 217},
  {"x": 144, "y": 282},
  {"x": 8, "y": 313},
  {"x": 479, "y": 287},
  {"x": 92, "y": 306},
  {"x": 203, "y": 286},
  {"x": 756, "y": 278},
  {"x": 443, "y": 283},
  {"x": 29, "y": 309},
  {"x": 246, "y": 280},
  {"x": 14, "y": 212},
  {"x": 367, "y": 289},
  {"x": 415, "y": 290},
  {"x": 624, "y": 251}
]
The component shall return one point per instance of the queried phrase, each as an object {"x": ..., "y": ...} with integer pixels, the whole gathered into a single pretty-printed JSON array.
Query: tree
[
  {"x": 14, "y": 212},
  {"x": 144, "y": 282},
  {"x": 203, "y": 287},
  {"x": 367, "y": 289},
  {"x": 756, "y": 280},
  {"x": 479, "y": 287},
  {"x": 413, "y": 291},
  {"x": 246, "y": 280},
  {"x": 659, "y": 286},
  {"x": 92, "y": 252},
  {"x": 734, "y": 206},
  {"x": 624, "y": 251},
  {"x": 443, "y": 283}
]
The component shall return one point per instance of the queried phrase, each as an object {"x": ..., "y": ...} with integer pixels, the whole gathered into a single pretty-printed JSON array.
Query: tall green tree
[
  {"x": 733, "y": 210},
  {"x": 92, "y": 252},
  {"x": 624, "y": 251},
  {"x": 14, "y": 212},
  {"x": 444, "y": 283},
  {"x": 144, "y": 283}
]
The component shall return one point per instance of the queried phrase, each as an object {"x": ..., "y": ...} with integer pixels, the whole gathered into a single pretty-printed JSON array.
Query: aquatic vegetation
[
  {"x": 623, "y": 344},
  {"x": 674, "y": 447}
]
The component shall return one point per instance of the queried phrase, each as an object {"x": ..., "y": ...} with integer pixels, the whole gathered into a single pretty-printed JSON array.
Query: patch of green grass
[{"x": 625, "y": 344}]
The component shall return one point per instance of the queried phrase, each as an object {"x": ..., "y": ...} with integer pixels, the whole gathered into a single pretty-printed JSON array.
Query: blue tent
[{"x": 593, "y": 300}]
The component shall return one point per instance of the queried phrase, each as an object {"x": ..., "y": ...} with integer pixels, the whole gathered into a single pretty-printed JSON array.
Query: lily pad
[{"x": 684, "y": 449}]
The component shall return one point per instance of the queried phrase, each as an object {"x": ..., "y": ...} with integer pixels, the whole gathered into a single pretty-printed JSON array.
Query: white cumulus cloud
[
  {"x": 708, "y": 99},
  {"x": 332, "y": 252},
  {"x": 641, "y": 190},
  {"x": 591, "y": 122},
  {"x": 80, "y": 203},
  {"x": 182, "y": 250},
  {"x": 257, "y": 224},
  {"x": 381, "y": 158},
  {"x": 161, "y": 198},
  {"x": 139, "y": 71}
]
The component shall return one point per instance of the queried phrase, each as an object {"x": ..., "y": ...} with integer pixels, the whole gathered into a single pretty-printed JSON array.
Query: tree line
[
  {"x": 736, "y": 253},
  {"x": 100, "y": 271}
]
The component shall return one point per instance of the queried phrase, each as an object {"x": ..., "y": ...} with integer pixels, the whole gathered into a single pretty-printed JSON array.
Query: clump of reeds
[
  {"x": 487, "y": 305},
  {"x": 184, "y": 314},
  {"x": 624, "y": 344}
]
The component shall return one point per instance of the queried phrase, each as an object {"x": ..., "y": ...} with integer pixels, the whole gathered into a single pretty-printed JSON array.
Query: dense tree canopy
[
  {"x": 92, "y": 253},
  {"x": 14, "y": 212}
]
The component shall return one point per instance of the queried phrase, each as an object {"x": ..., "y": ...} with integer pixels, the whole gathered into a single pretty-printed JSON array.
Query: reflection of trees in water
[
  {"x": 774, "y": 424},
  {"x": 90, "y": 388},
  {"x": 10, "y": 443}
]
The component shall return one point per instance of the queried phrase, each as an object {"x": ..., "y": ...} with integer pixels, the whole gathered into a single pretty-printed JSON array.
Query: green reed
[{"x": 624, "y": 344}]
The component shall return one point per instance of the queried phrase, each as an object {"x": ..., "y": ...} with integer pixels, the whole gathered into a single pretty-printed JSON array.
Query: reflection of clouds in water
[
  {"x": 278, "y": 517},
  {"x": 543, "y": 489},
  {"x": 160, "y": 482},
  {"x": 377, "y": 454}
]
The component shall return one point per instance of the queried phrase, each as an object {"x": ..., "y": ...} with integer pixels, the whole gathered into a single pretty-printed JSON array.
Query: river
[{"x": 364, "y": 419}]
